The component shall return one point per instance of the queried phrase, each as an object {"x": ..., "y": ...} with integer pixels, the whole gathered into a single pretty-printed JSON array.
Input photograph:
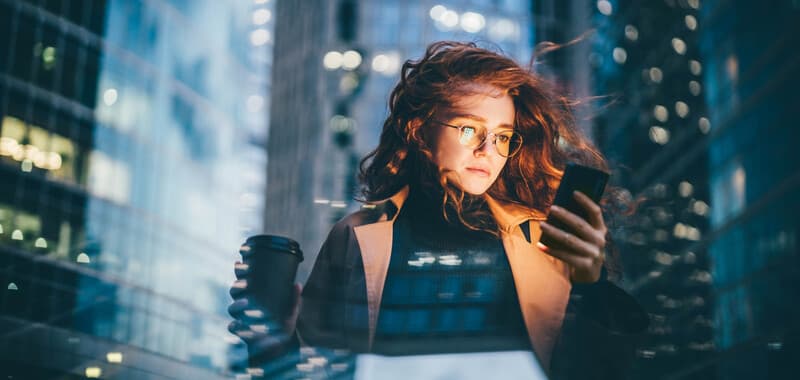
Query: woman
[{"x": 445, "y": 256}]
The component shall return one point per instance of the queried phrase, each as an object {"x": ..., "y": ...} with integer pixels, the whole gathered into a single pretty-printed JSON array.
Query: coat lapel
[
  {"x": 375, "y": 243},
  {"x": 543, "y": 288}
]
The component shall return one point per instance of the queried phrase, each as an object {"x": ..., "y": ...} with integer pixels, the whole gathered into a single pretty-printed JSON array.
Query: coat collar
[{"x": 508, "y": 215}]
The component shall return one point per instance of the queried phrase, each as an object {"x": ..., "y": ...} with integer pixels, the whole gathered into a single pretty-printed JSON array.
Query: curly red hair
[{"x": 448, "y": 71}]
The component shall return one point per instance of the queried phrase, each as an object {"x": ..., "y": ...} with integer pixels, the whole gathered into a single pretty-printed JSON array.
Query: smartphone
[{"x": 589, "y": 181}]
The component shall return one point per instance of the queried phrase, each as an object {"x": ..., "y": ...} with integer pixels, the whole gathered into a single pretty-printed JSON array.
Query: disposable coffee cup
[{"x": 272, "y": 266}]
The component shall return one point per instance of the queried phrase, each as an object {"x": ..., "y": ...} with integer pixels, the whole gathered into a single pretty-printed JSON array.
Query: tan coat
[{"x": 542, "y": 281}]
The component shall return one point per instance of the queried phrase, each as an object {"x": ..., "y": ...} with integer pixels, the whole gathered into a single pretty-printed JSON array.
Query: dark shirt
[{"x": 448, "y": 288}]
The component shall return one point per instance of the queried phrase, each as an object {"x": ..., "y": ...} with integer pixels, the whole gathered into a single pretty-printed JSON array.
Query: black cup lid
[{"x": 273, "y": 242}]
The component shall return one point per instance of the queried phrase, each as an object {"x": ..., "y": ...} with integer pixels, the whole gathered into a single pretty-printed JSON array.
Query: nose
[{"x": 486, "y": 147}]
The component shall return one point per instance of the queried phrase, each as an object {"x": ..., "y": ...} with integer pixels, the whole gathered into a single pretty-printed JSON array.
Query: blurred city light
[
  {"x": 261, "y": 16},
  {"x": 351, "y": 59},
  {"x": 259, "y": 37},
  {"x": 503, "y": 29},
  {"x": 685, "y": 189},
  {"x": 448, "y": 20},
  {"x": 348, "y": 83},
  {"x": 604, "y": 6},
  {"x": 332, "y": 60},
  {"x": 691, "y": 22},
  {"x": 655, "y": 74},
  {"x": 631, "y": 32},
  {"x": 694, "y": 87},
  {"x": 682, "y": 109},
  {"x": 93, "y": 372},
  {"x": 695, "y": 67},
  {"x": 679, "y": 46},
  {"x": 620, "y": 55},
  {"x": 659, "y": 135},
  {"x": 110, "y": 96},
  {"x": 660, "y": 113},
  {"x": 704, "y": 124},
  {"x": 390, "y": 65},
  {"x": 700, "y": 208},
  {"x": 114, "y": 357},
  {"x": 82, "y": 258},
  {"x": 49, "y": 57},
  {"x": 436, "y": 12},
  {"x": 472, "y": 22}
]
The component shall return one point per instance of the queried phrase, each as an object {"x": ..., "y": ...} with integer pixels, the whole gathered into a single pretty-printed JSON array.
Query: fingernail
[{"x": 555, "y": 208}]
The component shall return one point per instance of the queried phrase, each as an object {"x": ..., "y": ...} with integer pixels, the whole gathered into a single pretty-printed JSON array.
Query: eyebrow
[{"x": 479, "y": 119}]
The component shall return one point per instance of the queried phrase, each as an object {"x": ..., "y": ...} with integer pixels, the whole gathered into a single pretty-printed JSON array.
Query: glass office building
[
  {"x": 132, "y": 162},
  {"x": 751, "y": 71},
  {"x": 648, "y": 116}
]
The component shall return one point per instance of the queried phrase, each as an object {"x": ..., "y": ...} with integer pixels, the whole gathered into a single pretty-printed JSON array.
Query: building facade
[{"x": 132, "y": 165}]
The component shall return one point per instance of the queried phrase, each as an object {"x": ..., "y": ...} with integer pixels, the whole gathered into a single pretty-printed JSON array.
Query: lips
[{"x": 478, "y": 171}]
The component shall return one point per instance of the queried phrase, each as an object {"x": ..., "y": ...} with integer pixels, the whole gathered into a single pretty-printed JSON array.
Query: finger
[
  {"x": 575, "y": 261},
  {"x": 241, "y": 270},
  {"x": 236, "y": 308},
  {"x": 569, "y": 242},
  {"x": 235, "y": 326},
  {"x": 575, "y": 223},
  {"x": 594, "y": 212},
  {"x": 238, "y": 289}
]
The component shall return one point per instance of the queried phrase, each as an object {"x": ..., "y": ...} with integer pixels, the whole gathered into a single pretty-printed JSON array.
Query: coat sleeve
[
  {"x": 601, "y": 331},
  {"x": 322, "y": 314}
]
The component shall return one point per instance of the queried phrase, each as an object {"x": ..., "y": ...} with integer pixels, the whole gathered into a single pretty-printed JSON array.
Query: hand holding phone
[{"x": 589, "y": 181}]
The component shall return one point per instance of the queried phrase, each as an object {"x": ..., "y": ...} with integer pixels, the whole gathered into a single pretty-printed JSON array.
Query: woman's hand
[
  {"x": 251, "y": 322},
  {"x": 584, "y": 248}
]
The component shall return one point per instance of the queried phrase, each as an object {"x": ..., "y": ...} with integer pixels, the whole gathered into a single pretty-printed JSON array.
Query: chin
[
  {"x": 475, "y": 188},
  {"x": 472, "y": 186}
]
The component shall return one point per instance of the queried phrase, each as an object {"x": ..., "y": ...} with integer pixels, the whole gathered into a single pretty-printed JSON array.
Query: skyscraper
[
  {"x": 132, "y": 162},
  {"x": 650, "y": 121},
  {"x": 751, "y": 73}
]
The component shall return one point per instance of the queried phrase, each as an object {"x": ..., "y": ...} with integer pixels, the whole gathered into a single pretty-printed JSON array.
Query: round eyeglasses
[{"x": 507, "y": 142}]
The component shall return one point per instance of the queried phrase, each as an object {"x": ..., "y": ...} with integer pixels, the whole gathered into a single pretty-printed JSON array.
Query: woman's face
[{"x": 473, "y": 170}]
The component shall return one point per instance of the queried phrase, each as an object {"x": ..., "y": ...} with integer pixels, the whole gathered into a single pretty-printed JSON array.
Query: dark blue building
[{"x": 752, "y": 72}]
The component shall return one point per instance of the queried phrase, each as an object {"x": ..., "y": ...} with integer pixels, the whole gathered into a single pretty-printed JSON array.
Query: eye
[
  {"x": 503, "y": 138},
  {"x": 468, "y": 131}
]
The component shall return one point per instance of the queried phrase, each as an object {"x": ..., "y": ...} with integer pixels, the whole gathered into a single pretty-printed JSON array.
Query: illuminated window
[
  {"x": 109, "y": 178},
  {"x": 62, "y": 158}
]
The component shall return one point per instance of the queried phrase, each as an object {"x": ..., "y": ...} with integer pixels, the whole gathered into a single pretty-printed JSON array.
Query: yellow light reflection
[
  {"x": 114, "y": 357},
  {"x": 93, "y": 372}
]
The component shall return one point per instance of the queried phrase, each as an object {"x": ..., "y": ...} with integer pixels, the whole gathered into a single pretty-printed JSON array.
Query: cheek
[
  {"x": 499, "y": 164},
  {"x": 445, "y": 155}
]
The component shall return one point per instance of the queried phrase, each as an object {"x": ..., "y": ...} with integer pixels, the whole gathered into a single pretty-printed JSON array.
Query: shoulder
[{"x": 366, "y": 215}]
